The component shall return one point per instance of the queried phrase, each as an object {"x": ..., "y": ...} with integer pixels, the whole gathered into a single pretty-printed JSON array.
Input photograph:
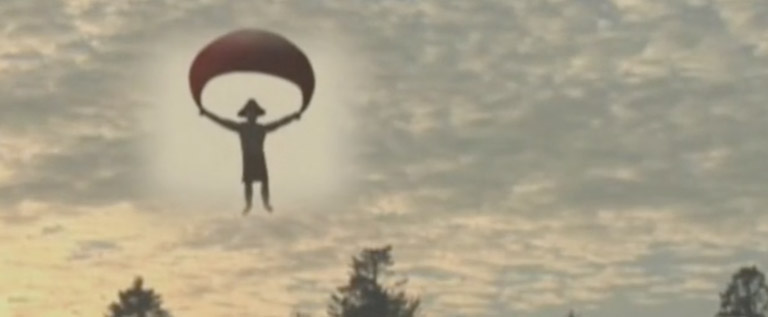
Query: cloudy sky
[{"x": 523, "y": 157}]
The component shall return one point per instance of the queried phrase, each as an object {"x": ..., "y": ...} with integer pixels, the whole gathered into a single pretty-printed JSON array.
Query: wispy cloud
[{"x": 522, "y": 157}]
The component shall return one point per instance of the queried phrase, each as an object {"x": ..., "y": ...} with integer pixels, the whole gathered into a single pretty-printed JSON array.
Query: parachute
[{"x": 252, "y": 50}]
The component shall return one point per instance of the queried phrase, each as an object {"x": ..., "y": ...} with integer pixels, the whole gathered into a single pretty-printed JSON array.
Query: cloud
[
  {"x": 52, "y": 229},
  {"x": 600, "y": 148},
  {"x": 93, "y": 248}
]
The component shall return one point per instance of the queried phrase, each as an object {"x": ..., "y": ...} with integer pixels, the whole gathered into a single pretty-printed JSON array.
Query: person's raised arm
[
  {"x": 272, "y": 126},
  {"x": 227, "y": 124}
]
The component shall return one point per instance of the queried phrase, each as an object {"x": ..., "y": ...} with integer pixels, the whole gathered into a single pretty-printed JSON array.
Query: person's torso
[{"x": 252, "y": 139}]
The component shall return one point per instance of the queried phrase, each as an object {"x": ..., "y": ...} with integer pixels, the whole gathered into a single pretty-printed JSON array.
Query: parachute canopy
[{"x": 252, "y": 50}]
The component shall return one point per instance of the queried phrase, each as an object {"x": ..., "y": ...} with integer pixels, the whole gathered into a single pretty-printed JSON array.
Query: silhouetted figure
[{"x": 252, "y": 136}]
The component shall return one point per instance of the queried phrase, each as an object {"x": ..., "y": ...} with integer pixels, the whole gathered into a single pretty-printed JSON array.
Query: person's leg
[
  {"x": 265, "y": 194},
  {"x": 248, "y": 196}
]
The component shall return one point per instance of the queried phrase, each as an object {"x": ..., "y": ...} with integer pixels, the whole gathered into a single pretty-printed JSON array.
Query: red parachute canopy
[{"x": 252, "y": 50}]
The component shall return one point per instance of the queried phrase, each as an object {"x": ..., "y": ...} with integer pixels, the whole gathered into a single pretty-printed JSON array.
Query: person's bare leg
[
  {"x": 265, "y": 195},
  {"x": 248, "y": 197}
]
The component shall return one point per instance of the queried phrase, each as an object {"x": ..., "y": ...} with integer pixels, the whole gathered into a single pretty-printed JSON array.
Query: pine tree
[
  {"x": 364, "y": 296},
  {"x": 137, "y": 302}
]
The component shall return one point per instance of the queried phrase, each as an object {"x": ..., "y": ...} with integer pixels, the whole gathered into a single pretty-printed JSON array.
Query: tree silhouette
[
  {"x": 364, "y": 296},
  {"x": 746, "y": 295},
  {"x": 137, "y": 302}
]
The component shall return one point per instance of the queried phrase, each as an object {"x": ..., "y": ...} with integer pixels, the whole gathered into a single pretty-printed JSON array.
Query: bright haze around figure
[{"x": 195, "y": 165}]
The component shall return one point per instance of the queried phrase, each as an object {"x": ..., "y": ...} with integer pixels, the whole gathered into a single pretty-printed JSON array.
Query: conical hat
[{"x": 251, "y": 108}]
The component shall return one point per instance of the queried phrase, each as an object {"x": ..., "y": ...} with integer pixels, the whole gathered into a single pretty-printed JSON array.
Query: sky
[{"x": 524, "y": 158}]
